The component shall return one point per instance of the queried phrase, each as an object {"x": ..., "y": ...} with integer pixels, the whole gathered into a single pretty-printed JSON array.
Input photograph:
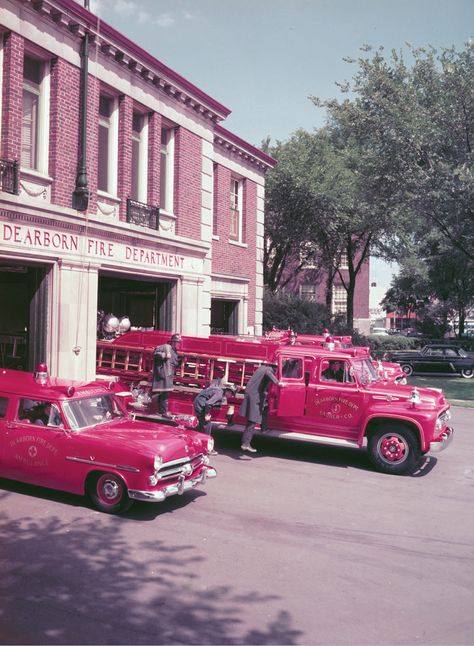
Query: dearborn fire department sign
[{"x": 87, "y": 247}]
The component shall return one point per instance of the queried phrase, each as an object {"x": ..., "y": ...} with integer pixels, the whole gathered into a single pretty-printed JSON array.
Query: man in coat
[
  {"x": 165, "y": 362},
  {"x": 252, "y": 407},
  {"x": 213, "y": 396}
]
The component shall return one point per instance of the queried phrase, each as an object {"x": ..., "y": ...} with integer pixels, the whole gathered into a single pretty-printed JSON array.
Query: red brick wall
[
  {"x": 187, "y": 182},
  {"x": 154, "y": 141},
  {"x": 124, "y": 176},
  {"x": 92, "y": 139},
  {"x": 230, "y": 259},
  {"x": 12, "y": 112},
  {"x": 361, "y": 296},
  {"x": 64, "y": 130}
]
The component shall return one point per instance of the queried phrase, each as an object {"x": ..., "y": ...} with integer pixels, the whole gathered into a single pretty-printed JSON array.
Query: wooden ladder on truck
[{"x": 134, "y": 366}]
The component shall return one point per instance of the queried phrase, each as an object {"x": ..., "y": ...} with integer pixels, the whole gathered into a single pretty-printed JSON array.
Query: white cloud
[
  {"x": 165, "y": 20},
  {"x": 126, "y": 7},
  {"x": 143, "y": 17}
]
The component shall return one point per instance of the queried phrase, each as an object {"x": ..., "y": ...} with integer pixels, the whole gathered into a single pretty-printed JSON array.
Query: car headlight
[
  {"x": 157, "y": 462},
  {"x": 443, "y": 419},
  {"x": 210, "y": 444}
]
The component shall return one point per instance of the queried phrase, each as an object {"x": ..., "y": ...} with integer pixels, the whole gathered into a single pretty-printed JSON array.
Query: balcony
[
  {"x": 9, "y": 176},
  {"x": 144, "y": 215}
]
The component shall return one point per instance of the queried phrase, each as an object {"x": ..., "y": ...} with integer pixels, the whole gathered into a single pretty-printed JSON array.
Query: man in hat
[
  {"x": 165, "y": 362},
  {"x": 211, "y": 397},
  {"x": 253, "y": 406}
]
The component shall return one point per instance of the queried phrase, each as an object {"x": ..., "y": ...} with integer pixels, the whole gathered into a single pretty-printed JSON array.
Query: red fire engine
[{"x": 397, "y": 423}]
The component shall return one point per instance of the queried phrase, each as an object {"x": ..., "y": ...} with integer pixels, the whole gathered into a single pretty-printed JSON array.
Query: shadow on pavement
[
  {"x": 228, "y": 443},
  {"x": 79, "y": 582}
]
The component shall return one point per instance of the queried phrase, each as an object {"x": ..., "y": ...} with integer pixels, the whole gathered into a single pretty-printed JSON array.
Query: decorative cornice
[
  {"x": 71, "y": 16},
  {"x": 243, "y": 149}
]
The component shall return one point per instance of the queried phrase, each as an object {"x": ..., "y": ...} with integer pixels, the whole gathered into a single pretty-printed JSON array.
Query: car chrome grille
[{"x": 176, "y": 468}]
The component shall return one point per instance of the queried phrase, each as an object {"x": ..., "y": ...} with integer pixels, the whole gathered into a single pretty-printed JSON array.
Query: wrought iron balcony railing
[
  {"x": 144, "y": 215},
  {"x": 9, "y": 176}
]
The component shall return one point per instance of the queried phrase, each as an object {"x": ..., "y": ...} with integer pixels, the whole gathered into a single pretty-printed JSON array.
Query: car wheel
[
  {"x": 109, "y": 494},
  {"x": 395, "y": 449},
  {"x": 407, "y": 369},
  {"x": 467, "y": 373}
]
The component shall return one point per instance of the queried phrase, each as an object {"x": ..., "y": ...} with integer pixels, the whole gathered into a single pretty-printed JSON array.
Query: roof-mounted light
[{"x": 41, "y": 374}]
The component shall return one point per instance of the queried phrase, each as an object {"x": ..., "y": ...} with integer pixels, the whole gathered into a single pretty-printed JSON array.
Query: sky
[{"x": 263, "y": 59}]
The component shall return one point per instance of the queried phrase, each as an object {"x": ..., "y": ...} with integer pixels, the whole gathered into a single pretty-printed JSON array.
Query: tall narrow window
[
  {"x": 235, "y": 210},
  {"x": 214, "y": 200},
  {"x": 32, "y": 77},
  {"x": 308, "y": 291},
  {"x": 105, "y": 127},
  {"x": 344, "y": 264},
  {"x": 339, "y": 300},
  {"x": 166, "y": 169},
  {"x": 139, "y": 158}
]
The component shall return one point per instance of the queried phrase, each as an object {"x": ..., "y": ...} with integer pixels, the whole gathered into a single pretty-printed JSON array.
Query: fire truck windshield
[
  {"x": 365, "y": 371},
  {"x": 91, "y": 411}
]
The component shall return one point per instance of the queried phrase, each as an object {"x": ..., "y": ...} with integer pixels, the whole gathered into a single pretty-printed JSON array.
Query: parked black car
[{"x": 435, "y": 359}]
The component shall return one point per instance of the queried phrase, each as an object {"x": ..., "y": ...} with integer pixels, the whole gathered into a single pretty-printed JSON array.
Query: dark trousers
[
  {"x": 204, "y": 425},
  {"x": 248, "y": 433},
  {"x": 162, "y": 402}
]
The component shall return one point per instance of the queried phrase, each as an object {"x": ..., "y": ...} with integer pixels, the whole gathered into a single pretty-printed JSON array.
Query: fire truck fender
[{"x": 378, "y": 421}]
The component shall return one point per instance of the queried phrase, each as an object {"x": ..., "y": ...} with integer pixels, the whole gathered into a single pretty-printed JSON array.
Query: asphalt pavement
[{"x": 299, "y": 544}]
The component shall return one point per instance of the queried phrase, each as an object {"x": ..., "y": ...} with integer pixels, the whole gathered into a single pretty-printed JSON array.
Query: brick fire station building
[{"x": 120, "y": 190}]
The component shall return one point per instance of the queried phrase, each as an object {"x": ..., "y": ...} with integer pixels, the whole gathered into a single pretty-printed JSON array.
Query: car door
[
  {"x": 34, "y": 452},
  {"x": 5, "y": 401},
  {"x": 452, "y": 361},
  {"x": 432, "y": 360},
  {"x": 288, "y": 400},
  {"x": 334, "y": 407}
]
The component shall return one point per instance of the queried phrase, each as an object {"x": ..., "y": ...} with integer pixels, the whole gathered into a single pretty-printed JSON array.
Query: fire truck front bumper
[
  {"x": 443, "y": 441},
  {"x": 176, "y": 489}
]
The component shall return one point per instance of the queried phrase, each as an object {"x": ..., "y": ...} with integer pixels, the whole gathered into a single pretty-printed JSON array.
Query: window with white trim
[
  {"x": 235, "y": 229},
  {"x": 343, "y": 263},
  {"x": 214, "y": 205},
  {"x": 167, "y": 170},
  {"x": 107, "y": 157},
  {"x": 139, "y": 158},
  {"x": 339, "y": 300},
  {"x": 35, "y": 121},
  {"x": 308, "y": 291}
]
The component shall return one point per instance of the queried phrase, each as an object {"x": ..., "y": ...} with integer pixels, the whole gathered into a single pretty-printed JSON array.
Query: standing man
[
  {"x": 252, "y": 407},
  {"x": 165, "y": 362},
  {"x": 213, "y": 396}
]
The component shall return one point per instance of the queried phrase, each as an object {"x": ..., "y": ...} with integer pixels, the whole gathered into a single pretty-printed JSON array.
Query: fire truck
[{"x": 365, "y": 408}]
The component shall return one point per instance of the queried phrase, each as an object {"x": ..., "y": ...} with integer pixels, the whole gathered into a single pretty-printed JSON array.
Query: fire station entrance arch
[
  {"x": 23, "y": 323},
  {"x": 147, "y": 303}
]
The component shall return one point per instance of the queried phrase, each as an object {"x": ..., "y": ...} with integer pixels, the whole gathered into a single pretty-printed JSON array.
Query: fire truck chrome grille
[{"x": 184, "y": 467}]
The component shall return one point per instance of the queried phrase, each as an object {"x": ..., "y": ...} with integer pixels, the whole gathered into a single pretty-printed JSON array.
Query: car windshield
[
  {"x": 91, "y": 411},
  {"x": 365, "y": 371}
]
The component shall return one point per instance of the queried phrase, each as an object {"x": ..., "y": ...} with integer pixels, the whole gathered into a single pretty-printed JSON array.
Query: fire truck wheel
[
  {"x": 109, "y": 493},
  {"x": 393, "y": 448},
  {"x": 467, "y": 373},
  {"x": 407, "y": 369}
]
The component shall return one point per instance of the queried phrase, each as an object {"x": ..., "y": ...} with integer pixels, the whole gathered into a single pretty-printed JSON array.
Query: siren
[
  {"x": 41, "y": 374},
  {"x": 124, "y": 324}
]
